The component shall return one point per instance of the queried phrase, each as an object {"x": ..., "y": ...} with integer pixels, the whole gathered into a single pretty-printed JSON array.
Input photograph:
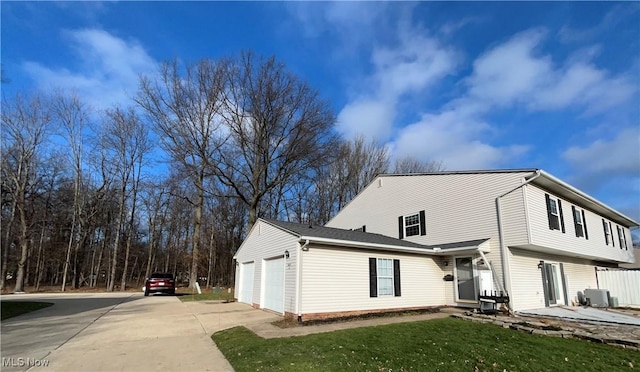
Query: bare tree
[
  {"x": 25, "y": 123},
  {"x": 278, "y": 127},
  {"x": 125, "y": 139},
  {"x": 409, "y": 164},
  {"x": 73, "y": 116},
  {"x": 185, "y": 111}
]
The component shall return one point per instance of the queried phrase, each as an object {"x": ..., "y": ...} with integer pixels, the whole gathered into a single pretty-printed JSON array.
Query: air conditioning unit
[{"x": 597, "y": 297}]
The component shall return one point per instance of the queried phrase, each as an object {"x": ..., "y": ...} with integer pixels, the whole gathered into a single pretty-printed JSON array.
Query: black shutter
[
  {"x": 373, "y": 278},
  {"x": 576, "y": 226},
  {"x": 364, "y": 228},
  {"x": 561, "y": 216},
  {"x": 606, "y": 237},
  {"x": 584, "y": 224},
  {"x": 423, "y": 223},
  {"x": 613, "y": 241},
  {"x": 400, "y": 227},
  {"x": 564, "y": 285},
  {"x": 396, "y": 278},
  {"x": 544, "y": 283},
  {"x": 549, "y": 214}
]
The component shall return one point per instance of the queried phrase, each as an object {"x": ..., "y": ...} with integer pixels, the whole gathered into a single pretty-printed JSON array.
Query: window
[
  {"x": 554, "y": 213},
  {"x": 607, "y": 233},
  {"x": 622, "y": 237},
  {"x": 411, "y": 225},
  {"x": 384, "y": 277},
  {"x": 579, "y": 222}
]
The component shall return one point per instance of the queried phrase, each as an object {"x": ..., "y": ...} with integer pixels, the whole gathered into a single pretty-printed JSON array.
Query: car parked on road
[{"x": 160, "y": 283}]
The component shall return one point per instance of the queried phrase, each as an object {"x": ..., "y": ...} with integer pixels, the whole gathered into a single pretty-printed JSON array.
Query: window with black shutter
[
  {"x": 384, "y": 277},
  {"x": 413, "y": 224},
  {"x": 554, "y": 213},
  {"x": 578, "y": 221}
]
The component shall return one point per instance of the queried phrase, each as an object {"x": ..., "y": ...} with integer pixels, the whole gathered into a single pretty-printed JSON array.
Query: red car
[{"x": 160, "y": 282}]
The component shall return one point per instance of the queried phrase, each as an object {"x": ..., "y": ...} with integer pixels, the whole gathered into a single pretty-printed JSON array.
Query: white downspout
[
  {"x": 301, "y": 248},
  {"x": 504, "y": 255}
]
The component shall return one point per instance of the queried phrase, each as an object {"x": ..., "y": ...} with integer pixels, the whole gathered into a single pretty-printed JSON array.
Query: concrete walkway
[{"x": 120, "y": 332}]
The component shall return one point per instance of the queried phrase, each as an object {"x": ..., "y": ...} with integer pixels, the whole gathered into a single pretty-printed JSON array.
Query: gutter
[
  {"x": 580, "y": 194},
  {"x": 504, "y": 255},
  {"x": 436, "y": 251}
]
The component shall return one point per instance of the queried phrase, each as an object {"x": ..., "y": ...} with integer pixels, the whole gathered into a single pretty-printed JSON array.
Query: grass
[
  {"x": 9, "y": 309},
  {"x": 436, "y": 345},
  {"x": 215, "y": 294}
]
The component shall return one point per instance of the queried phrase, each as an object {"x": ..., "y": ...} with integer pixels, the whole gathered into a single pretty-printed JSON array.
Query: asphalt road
[{"x": 108, "y": 332}]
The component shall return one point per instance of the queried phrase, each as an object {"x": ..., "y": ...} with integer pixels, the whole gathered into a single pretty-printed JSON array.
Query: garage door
[
  {"x": 246, "y": 283},
  {"x": 274, "y": 285}
]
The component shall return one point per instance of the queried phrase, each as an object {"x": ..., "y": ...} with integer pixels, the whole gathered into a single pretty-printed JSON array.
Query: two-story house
[{"x": 422, "y": 240}]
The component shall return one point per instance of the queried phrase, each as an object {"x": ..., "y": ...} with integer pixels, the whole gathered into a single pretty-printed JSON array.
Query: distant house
[{"x": 423, "y": 240}]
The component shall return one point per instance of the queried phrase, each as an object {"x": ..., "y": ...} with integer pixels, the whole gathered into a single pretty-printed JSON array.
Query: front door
[
  {"x": 552, "y": 280},
  {"x": 465, "y": 280}
]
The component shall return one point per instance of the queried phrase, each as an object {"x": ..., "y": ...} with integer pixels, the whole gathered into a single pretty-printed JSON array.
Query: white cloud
[
  {"x": 107, "y": 72},
  {"x": 370, "y": 118},
  {"x": 618, "y": 156},
  {"x": 453, "y": 138},
  {"x": 513, "y": 74},
  {"x": 509, "y": 72},
  {"x": 413, "y": 66}
]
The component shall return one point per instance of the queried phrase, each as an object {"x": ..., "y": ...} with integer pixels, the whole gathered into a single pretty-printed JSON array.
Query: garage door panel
[
  {"x": 274, "y": 285},
  {"x": 246, "y": 283}
]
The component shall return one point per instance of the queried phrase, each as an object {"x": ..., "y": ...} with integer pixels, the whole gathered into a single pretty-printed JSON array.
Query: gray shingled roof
[{"x": 315, "y": 231}]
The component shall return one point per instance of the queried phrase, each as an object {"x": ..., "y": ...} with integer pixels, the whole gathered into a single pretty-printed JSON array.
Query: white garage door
[
  {"x": 274, "y": 285},
  {"x": 246, "y": 283}
]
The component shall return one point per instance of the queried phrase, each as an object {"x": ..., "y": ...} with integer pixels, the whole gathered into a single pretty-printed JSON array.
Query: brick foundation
[{"x": 356, "y": 313}]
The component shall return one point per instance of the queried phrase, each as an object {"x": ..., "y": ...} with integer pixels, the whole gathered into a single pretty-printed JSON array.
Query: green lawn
[
  {"x": 10, "y": 309},
  {"x": 436, "y": 345},
  {"x": 207, "y": 295}
]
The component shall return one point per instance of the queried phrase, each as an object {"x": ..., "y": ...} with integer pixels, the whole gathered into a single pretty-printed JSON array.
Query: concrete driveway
[{"x": 120, "y": 332}]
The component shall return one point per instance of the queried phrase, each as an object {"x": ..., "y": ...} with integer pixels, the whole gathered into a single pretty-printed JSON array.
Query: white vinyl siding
[
  {"x": 347, "y": 288},
  {"x": 266, "y": 242},
  {"x": 459, "y": 207},
  {"x": 526, "y": 278},
  {"x": 544, "y": 239}
]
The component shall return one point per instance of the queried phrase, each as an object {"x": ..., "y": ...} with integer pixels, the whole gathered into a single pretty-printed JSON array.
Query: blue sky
[{"x": 476, "y": 85}]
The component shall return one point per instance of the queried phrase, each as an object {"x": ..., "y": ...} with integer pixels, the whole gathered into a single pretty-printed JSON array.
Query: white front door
[
  {"x": 274, "y": 285},
  {"x": 246, "y": 283}
]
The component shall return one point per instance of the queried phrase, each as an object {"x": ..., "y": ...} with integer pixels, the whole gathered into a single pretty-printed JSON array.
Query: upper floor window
[
  {"x": 413, "y": 224},
  {"x": 363, "y": 228},
  {"x": 579, "y": 222},
  {"x": 608, "y": 238},
  {"x": 554, "y": 213},
  {"x": 622, "y": 237}
]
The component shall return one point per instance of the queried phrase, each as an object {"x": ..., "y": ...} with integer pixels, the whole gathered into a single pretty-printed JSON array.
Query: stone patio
[{"x": 617, "y": 334}]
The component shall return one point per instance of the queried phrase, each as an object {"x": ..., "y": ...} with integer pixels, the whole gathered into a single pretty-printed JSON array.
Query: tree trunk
[
  {"x": 196, "y": 232},
  {"x": 116, "y": 241}
]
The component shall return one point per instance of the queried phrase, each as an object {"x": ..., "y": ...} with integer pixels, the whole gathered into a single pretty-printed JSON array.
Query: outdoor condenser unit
[{"x": 597, "y": 297}]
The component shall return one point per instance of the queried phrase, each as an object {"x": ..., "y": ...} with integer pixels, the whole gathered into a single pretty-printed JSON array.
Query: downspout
[
  {"x": 504, "y": 255},
  {"x": 301, "y": 248}
]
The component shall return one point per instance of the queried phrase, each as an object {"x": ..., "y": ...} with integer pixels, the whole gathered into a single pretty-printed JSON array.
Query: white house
[{"x": 422, "y": 240}]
